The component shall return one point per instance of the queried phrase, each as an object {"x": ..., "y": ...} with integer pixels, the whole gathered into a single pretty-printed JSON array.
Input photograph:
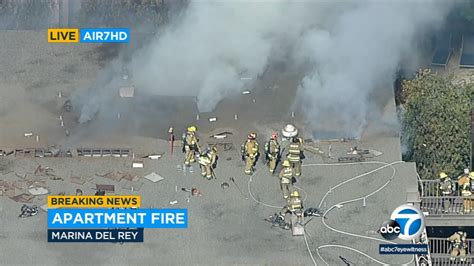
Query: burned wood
[
  {"x": 227, "y": 146},
  {"x": 221, "y": 133},
  {"x": 314, "y": 150},
  {"x": 357, "y": 158},
  {"x": 44, "y": 171},
  {"x": 23, "y": 198},
  {"x": 110, "y": 188}
]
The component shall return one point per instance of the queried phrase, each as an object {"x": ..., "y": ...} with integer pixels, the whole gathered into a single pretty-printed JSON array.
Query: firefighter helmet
[
  {"x": 274, "y": 135},
  {"x": 252, "y": 136},
  {"x": 192, "y": 129},
  {"x": 286, "y": 163},
  {"x": 443, "y": 175},
  {"x": 295, "y": 193},
  {"x": 289, "y": 131}
]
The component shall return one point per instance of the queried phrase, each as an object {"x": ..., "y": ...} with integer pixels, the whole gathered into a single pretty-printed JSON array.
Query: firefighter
[
  {"x": 294, "y": 205},
  {"x": 208, "y": 161},
  {"x": 249, "y": 151},
  {"x": 464, "y": 183},
  {"x": 190, "y": 145},
  {"x": 286, "y": 176},
  {"x": 459, "y": 246},
  {"x": 295, "y": 153},
  {"x": 214, "y": 157},
  {"x": 446, "y": 186},
  {"x": 272, "y": 152}
]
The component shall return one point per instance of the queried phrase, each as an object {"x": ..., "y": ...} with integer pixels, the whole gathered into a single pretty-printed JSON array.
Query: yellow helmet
[
  {"x": 286, "y": 163},
  {"x": 295, "y": 193},
  {"x": 443, "y": 175},
  {"x": 192, "y": 129},
  {"x": 471, "y": 174}
]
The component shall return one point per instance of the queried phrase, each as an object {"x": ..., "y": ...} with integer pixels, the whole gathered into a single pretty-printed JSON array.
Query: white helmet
[{"x": 289, "y": 131}]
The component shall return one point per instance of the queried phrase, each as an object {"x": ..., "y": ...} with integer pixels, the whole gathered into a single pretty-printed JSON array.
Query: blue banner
[
  {"x": 95, "y": 235},
  {"x": 117, "y": 218},
  {"x": 105, "y": 35},
  {"x": 403, "y": 249}
]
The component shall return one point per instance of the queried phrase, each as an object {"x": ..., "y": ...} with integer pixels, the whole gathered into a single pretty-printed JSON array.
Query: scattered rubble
[
  {"x": 23, "y": 198},
  {"x": 77, "y": 180},
  {"x": 27, "y": 211},
  {"x": 131, "y": 177},
  {"x": 116, "y": 176},
  {"x": 137, "y": 164},
  {"x": 314, "y": 150},
  {"x": 226, "y": 146},
  {"x": 154, "y": 177},
  {"x": 20, "y": 184},
  {"x": 40, "y": 170},
  {"x": 37, "y": 191},
  {"x": 6, "y": 153},
  {"x": 153, "y": 156},
  {"x": 105, "y": 188},
  {"x": 194, "y": 191}
]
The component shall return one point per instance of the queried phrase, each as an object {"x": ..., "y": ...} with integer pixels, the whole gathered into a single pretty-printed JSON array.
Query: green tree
[{"x": 436, "y": 126}]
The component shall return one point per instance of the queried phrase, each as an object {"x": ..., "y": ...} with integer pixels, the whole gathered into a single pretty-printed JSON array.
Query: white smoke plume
[
  {"x": 216, "y": 43},
  {"x": 359, "y": 54},
  {"x": 350, "y": 50}
]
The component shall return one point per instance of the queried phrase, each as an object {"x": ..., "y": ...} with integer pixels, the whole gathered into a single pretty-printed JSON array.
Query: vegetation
[{"x": 437, "y": 124}]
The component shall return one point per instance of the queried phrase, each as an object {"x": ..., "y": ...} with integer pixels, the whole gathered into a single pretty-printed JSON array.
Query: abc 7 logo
[
  {"x": 406, "y": 223},
  {"x": 390, "y": 230}
]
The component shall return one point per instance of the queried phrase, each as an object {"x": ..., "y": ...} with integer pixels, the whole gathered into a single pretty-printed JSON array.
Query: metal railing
[
  {"x": 430, "y": 188},
  {"x": 444, "y": 260},
  {"x": 441, "y": 246},
  {"x": 440, "y": 249},
  {"x": 444, "y": 205}
]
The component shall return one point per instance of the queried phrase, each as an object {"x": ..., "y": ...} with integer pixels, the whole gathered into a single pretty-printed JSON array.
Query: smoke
[
  {"x": 206, "y": 54},
  {"x": 350, "y": 50},
  {"x": 358, "y": 55},
  {"x": 207, "y": 51}
]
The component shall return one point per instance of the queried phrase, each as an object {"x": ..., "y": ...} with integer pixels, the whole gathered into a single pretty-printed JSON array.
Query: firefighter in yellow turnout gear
[
  {"x": 208, "y": 162},
  {"x": 249, "y": 151},
  {"x": 286, "y": 176},
  {"x": 294, "y": 204},
  {"x": 465, "y": 183},
  {"x": 190, "y": 145},
  {"x": 294, "y": 156},
  {"x": 272, "y": 152},
  {"x": 446, "y": 187},
  {"x": 459, "y": 246}
]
